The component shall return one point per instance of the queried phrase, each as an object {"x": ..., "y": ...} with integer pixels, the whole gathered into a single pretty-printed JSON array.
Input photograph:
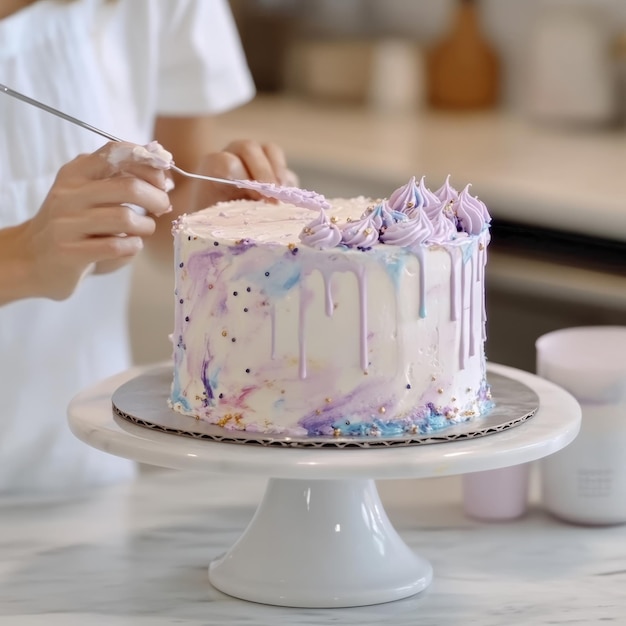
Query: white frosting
[
  {"x": 274, "y": 336},
  {"x": 152, "y": 154}
]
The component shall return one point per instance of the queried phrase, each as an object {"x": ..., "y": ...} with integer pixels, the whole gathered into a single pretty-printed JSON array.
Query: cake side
[{"x": 275, "y": 335}]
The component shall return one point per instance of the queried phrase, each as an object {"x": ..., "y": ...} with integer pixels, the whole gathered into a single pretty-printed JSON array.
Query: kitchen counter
[
  {"x": 544, "y": 176},
  {"x": 137, "y": 555}
]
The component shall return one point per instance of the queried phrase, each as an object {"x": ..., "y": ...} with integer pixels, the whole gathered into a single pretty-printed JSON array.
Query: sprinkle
[
  {"x": 291, "y": 246},
  {"x": 220, "y": 396},
  {"x": 235, "y": 293},
  {"x": 189, "y": 238},
  {"x": 452, "y": 399},
  {"x": 408, "y": 386},
  {"x": 233, "y": 339},
  {"x": 382, "y": 409},
  {"x": 440, "y": 390},
  {"x": 216, "y": 243},
  {"x": 181, "y": 265},
  {"x": 247, "y": 370},
  {"x": 181, "y": 300},
  {"x": 187, "y": 318},
  {"x": 224, "y": 333},
  {"x": 433, "y": 378},
  {"x": 367, "y": 231},
  {"x": 349, "y": 219},
  {"x": 267, "y": 273},
  {"x": 336, "y": 432},
  {"x": 210, "y": 285},
  {"x": 307, "y": 230},
  {"x": 333, "y": 219},
  {"x": 328, "y": 400},
  {"x": 468, "y": 389},
  {"x": 248, "y": 289},
  {"x": 317, "y": 412},
  {"x": 410, "y": 205},
  {"x": 238, "y": 242},
  {"x": 245, "y": 309},
  {"x": 481, "y": 246}
]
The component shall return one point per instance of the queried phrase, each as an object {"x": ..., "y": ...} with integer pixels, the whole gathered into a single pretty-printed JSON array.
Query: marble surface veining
[{"x": 138, "y": 554}]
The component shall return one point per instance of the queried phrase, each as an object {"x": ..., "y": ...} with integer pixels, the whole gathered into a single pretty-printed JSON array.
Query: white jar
[{"x": 586, "y": 481}]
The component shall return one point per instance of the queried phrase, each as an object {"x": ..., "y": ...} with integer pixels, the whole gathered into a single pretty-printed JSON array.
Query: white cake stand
[{"x": 320, "y": 537}]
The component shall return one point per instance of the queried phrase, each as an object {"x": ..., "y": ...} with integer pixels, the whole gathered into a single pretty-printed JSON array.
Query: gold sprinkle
[
  {"x": 468, "y": 413},
  {"x": 291, "y": 246},
  {"x": 224, "y": 333},
  {"x": 333, "y": 219},
  {"x": 410, "y": 205},
  {"x": 413, "y": 429},
  {"x": 440, "y": 390},
  {"x": 481, "y": 246},
  {"x": 336, "y": 432},
  {"x": 367, "y": 231},
  {"x": 453, "y": 399},
  {"x": 317, "y": 412},
  {"x": 224, "y": 420},
  {"x": 238, "y": 242},
  {"x": 365, "y": 373},
  {"x": 349, "y": 219},
  {"x": 307, "y": 230},
  {"x": 382, "y": 409},
  {"x": 433, "y": 378},
  {"x": 329, "y": 400}
]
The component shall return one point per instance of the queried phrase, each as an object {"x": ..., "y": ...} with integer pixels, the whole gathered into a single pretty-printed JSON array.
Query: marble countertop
[
  {"x": 137, "y": 555},
  {"x": 540, "y": 175}
]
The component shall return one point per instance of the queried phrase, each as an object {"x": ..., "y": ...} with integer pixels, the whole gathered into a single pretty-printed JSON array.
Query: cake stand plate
[
  {"x": 143, "y": 401},
  {"x": 320, "y": 537}
]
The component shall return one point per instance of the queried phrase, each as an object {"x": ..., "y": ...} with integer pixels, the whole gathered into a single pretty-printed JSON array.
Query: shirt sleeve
[{"x": 203, "y": 68}]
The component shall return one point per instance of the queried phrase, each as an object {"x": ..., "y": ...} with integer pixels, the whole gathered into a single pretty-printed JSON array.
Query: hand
[
  {"x": 242, "y": 159},
  {"x": 84, "y": 219}
]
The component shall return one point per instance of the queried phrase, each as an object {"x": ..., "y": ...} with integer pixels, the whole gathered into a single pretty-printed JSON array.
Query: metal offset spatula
[{"x": 292, "y": 195}]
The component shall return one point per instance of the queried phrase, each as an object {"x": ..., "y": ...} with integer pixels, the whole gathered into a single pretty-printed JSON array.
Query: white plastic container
[{"x": 586, "y": 481}]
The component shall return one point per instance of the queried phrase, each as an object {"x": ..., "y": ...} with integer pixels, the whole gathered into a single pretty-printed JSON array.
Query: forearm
[{"x": 16, "y": 268}]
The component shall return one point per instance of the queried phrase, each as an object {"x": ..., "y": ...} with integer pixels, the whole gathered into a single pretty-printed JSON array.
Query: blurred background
[{"x": 525, "y": 100}]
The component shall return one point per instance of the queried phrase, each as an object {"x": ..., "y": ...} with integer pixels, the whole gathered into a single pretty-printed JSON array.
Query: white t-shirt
[{"x": 116, "y": 64}]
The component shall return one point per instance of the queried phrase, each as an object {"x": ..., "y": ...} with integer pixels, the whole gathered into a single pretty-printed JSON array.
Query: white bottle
[{"x": 570, "y": 74}]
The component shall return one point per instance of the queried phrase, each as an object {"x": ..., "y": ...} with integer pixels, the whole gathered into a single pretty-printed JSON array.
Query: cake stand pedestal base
[
  {"x": 366, "y": 561},
  {"x": 320, "y": 537}
]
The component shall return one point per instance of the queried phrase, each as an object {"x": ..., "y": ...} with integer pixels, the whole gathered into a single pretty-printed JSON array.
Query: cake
[{"x": 363, "y": 320}]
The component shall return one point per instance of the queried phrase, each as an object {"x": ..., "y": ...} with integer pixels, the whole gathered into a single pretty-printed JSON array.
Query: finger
[
  {"x": 118, "y": 190},
  {"x": 113, "y": 220},
  {"x": 95, "y": 249},
  {"x": 278, "y": 162},
  {"x": 254, "y": 160}
]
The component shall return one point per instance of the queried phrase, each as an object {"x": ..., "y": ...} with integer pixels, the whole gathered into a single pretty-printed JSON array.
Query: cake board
[{"x": 320, "y": 537}]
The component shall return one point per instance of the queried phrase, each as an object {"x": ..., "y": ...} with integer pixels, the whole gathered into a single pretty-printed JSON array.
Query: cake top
[{"x": 412, "y": 215}]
